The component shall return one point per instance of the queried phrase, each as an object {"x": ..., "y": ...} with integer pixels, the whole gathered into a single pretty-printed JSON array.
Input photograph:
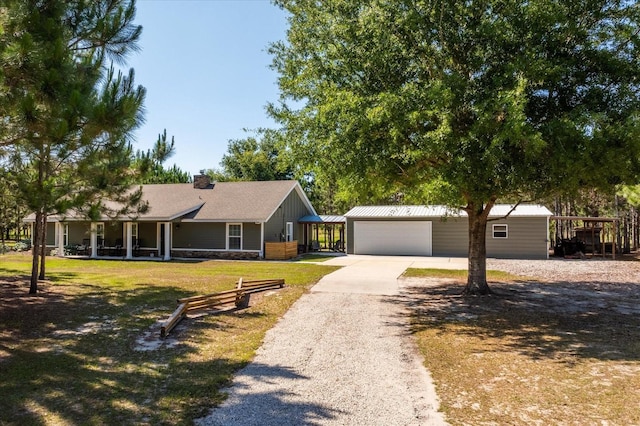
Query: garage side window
[{"x": 501, "y": 231}]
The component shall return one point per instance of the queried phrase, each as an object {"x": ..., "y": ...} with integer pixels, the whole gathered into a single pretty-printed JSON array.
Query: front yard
[{"x": 85, "y": 350}]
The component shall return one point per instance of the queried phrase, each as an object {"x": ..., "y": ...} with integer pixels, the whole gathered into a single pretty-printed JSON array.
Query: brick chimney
[{"x": 202, "y": 181}]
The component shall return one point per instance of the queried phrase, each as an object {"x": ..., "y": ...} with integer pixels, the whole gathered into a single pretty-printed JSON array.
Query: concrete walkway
[
  {"x": 378, "y": 274},
  {"x": 342, "y": 355}
]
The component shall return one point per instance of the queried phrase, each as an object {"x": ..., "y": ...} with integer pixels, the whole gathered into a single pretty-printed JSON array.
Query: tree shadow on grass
[
  {"x": 559, "y": 320},
  {"x": 68, "y": 355}
]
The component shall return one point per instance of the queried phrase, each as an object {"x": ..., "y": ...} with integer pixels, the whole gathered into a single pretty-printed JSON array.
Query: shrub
[{"x": 22, "y": 245}]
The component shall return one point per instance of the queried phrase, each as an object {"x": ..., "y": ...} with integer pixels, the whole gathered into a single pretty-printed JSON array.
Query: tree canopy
[
  {"x": 151, "y": 163},
  {"x": 67, "y": 113},
  {"x": 258, "y": 157},
  {"x": 463, "y": 103}
]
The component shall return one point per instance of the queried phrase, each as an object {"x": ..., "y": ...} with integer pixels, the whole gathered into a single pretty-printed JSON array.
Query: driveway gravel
[{"x": 335, "y": 358}]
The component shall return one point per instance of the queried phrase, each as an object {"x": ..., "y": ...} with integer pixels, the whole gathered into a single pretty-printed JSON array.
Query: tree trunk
[
  {"x": 35, "y": 250},
  {"x": 43, "y": 247},
  {"x": 477, "y": 275}
]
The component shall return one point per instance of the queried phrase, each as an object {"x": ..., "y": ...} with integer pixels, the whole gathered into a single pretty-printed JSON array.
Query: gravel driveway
[{"x": 336, "y": 358}]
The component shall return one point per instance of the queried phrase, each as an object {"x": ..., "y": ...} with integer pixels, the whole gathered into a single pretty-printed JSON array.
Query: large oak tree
[{"x": 464, "y": 103}]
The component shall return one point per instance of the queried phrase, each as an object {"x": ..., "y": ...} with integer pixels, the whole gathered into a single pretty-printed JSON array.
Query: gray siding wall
[
  {"x": 293, "y": 208},
  {"x": 51, "y": 234},
  {"x": 251, "y": 236},
  {"x": 527, "y": 237},
  {"x": 350, "y": 235},
  {"x": 205, "y": 236},
  {"x": 212, "y": 236},
  {"x": 450, "y": 237}
]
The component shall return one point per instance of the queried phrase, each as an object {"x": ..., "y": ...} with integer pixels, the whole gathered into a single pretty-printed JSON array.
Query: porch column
[
  {"x": 261, "y": 240},
  {"x": 60, "y": 235},
  {"x": 167, "y": 241},
  {"x": 94, "y": 240},
  {"x": 128, "y": 240}
]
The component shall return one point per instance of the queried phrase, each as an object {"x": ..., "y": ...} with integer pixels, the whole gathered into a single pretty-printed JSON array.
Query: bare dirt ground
[
  {"x": 557, "y": 285},
  {"x": 561, "y": 343}
]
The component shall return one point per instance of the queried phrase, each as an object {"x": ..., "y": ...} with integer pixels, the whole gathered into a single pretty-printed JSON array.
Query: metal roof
[
  {"x": 333, "y": 219},
  {"x": 322, "y": 219},
  {"x": 523, "y": 210}
]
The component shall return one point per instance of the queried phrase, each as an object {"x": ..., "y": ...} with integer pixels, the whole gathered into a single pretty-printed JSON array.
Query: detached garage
[{"x": 439, "y": 231}]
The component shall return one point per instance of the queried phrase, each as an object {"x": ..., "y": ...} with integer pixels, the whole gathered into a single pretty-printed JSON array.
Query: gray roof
[
  {"x": 523, "y": 210},
  {"x": 226, "y": 201},
  {"x": 222, "y": 202}
]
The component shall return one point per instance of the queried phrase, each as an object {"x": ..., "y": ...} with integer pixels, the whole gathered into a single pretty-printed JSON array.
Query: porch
[
  {"x": 324, "y": 233},
  {"x": 116, "y": 240}
]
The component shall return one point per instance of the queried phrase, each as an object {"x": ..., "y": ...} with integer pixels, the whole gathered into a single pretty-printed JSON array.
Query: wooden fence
[
  {"x": 280, "y": 251},
  {"x": 238, "y": 296}
]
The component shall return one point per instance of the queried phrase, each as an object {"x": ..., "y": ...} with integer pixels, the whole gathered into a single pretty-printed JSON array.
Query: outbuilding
[{"x": 521, "y": 233}]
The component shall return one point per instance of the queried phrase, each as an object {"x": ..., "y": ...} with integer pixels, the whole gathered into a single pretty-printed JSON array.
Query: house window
[
  {"x": 289, "y": 232},
  {"x": 100, "y": 233},
  {"x": 500, "y": 231},
  {"x": 234, "y": 236}
]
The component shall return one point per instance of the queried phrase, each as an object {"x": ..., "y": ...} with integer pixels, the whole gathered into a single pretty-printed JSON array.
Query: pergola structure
[
  {"x": 324, "y": 232},
  {"x": 599, "y": 234}
]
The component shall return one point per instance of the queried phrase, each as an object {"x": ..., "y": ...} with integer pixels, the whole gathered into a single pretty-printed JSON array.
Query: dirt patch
[{"x": 561, "y": 345}]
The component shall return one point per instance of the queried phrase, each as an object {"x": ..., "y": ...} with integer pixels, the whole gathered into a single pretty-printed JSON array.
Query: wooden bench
[{"x": 238, "y": 296}]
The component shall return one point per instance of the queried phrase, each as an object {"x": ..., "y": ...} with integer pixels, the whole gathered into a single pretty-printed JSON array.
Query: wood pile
[{"x": 238, "y": 296}]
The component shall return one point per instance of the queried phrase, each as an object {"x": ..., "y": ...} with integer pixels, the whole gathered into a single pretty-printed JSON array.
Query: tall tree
[
  {"x": 69, "y": 114},
  {"x": 463, "y": 103},
  {"x": 259, "y": 157},
  {"x": 151, "y": 163}
]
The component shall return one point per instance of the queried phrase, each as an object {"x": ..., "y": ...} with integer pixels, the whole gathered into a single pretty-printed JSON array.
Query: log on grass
[{"x": 173, "y": 320}]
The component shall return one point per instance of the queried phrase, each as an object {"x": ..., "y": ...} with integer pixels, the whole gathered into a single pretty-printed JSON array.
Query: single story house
[
  {"x": 231, "y": 220},
  {"x": 440, "y": 231}
]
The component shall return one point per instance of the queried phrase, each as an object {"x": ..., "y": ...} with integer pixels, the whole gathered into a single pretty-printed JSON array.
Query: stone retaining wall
[{"x": 229, "y": 255}]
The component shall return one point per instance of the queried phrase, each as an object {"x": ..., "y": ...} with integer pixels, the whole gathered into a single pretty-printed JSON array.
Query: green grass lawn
[{"x": 71, "y": 355}]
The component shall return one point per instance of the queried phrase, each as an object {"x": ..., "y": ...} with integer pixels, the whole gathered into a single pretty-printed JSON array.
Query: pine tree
[{"x": 69, "y": 113}]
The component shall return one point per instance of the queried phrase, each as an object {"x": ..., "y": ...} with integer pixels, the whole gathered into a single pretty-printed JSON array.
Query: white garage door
[{"x": 392, "y": 238}]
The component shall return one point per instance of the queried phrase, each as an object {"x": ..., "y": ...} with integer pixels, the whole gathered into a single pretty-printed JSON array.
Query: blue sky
[{"x": 206, "y": 70}]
